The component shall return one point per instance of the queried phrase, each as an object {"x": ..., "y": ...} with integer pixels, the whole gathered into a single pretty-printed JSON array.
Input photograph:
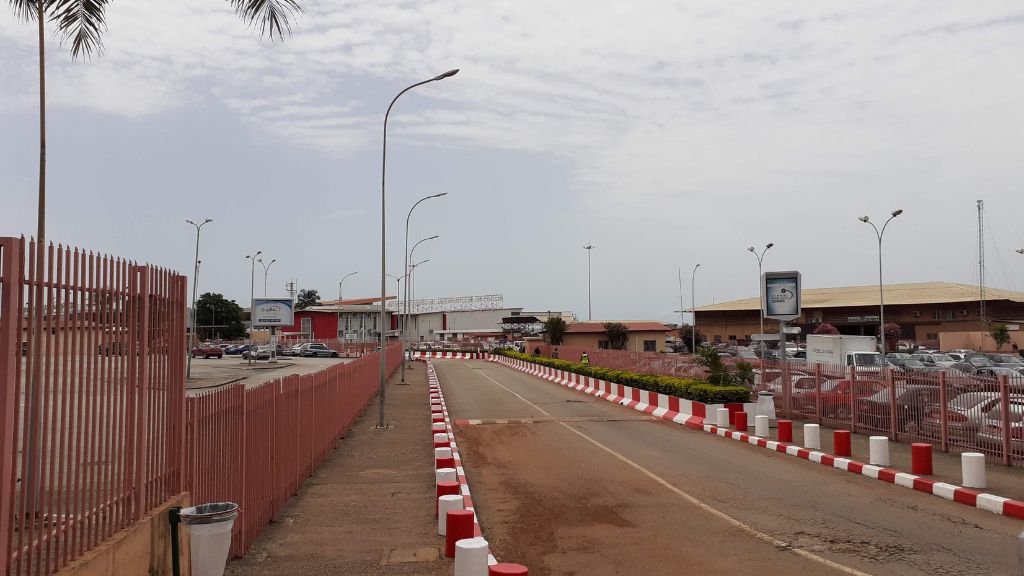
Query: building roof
[
  {"x": 593, "y": 327},
  {"x": 354, "y": 301},
  {"x": 921, "y": 293},
  {"x": 335, "y": 308}
]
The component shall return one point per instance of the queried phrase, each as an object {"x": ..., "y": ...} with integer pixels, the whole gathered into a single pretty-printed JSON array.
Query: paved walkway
[{"x": 368, "y": 508}]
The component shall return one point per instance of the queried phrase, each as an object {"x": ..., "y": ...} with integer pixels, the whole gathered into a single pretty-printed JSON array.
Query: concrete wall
[
  {"x": 635, "y": 343},
  {"x": 142, "y": 548},
  {"x": 424, "y": 326}
]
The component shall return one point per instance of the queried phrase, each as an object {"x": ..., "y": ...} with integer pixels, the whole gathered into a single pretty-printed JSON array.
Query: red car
[
  {"x": 208, "y": 351},
  {"x": 835, "y": 400}
]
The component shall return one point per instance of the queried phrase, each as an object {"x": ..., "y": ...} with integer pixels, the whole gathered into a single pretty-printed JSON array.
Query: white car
[{"x": 935, "y": 360}]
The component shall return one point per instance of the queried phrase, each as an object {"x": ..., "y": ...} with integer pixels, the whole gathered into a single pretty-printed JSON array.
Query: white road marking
[{"x": 689, "y": 498}]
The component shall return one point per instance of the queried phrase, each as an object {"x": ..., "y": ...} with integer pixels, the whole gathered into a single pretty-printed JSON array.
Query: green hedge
[{"x": 688, "y": 388}]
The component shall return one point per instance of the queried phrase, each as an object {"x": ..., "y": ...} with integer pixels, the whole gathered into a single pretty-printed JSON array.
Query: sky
[{"x": 664, "y": 133}]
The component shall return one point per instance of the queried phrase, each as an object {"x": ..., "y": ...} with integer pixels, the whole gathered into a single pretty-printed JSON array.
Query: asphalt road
[{"x": 595, "y": 488}]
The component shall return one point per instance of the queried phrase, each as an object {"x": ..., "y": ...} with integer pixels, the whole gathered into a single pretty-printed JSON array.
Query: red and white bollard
[
  {"x": 441, "y": 440},
  {"x": 471, "y": 557},
  {"x": 761, "y": 423},
  {"x": 785, "y": 430},
  {"x": 973, "y": 467},
  {"x": 841, "y": 443},
  {"x": 458, "y": 526},
  {"x": 446, "y": 489},
  {"x": 921, "y": 458},
  {"x": 504, "y": 569},
  {"x": 446, "y": 475},
  {"x": 878, "y": 451},
  {"x": 446, "y": 504},
  {"x": 812, "y": 436},
  {"x": 741, "y": 421},
  {"x": 723, "y": 418},
  {"x": 438, "y": 427}
]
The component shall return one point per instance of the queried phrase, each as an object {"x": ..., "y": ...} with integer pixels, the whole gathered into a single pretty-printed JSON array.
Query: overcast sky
[{"x": 666, "y": 133}]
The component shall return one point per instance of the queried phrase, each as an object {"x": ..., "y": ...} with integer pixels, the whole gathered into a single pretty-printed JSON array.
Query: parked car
[
  {"x": 896, "y": 355},
  {"x": 911, "y": 400},
  {"x": 903, "y": 366},
  {"x": 207, "y": 350},
  {"x": 957, "y": 356},
  {"x": 236, "y": 349},
  {"x": 835, "y": 402},
  {"x": 260, "y": 353},
  {"x": 964, "y": 414},
  {"x": 991, "y": 432},
  {"x": 1006, "y": 360},
  {"x": 935, "y": 360},
  {"x": 318, "y": 349}
]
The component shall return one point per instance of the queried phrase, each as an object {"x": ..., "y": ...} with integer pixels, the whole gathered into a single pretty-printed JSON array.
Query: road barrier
[{"x": 921, "y": 458}]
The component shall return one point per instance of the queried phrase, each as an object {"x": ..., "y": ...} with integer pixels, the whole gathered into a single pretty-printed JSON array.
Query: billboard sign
[
  {"x": 780, "y": 293},
  {"x": 272, "y": 312}
]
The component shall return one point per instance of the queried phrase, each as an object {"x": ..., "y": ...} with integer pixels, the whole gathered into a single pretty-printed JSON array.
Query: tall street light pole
[
  {"x": 341, "y": 297},
  {"x": 693, "y": 310},
  {"x": 760, "y": 296},
  {"x": 590, "y": 309},
  {"x": 383, "y": 248},
  {"x": 252, "y": 298},
  {"x": 412, "y": 275},
  {"x": 403, "y": 317},
  {"x": 195, "y": 284},
  {"x": 881, "y": 295},
  {"x": 266, "y": 270},
  {"x": 408, "y": 297}
]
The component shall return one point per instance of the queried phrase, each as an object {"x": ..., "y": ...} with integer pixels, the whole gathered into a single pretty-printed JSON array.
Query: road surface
[{"x": 596, "y": 488}]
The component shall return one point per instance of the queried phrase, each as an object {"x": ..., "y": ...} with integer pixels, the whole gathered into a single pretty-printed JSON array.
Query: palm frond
[
  {"x": 274, "y": 17},
  {"x": 24, "y": 9},
  {"x": 82, "y": 22}
]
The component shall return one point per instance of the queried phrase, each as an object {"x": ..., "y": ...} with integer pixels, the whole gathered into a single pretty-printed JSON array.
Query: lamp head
[
  {"x": 433, "y": 237},
  {"x": 750, "y": 249},
  {"x": 439, "y": 195},
  {"x": 208, "y": 220},
  {"x": 864, "y": 219},
  {"x": 697, "y": 266},
  {"x": 258, "y": 252},
  {"x": 447, "y": 74},
  {"x": 190, "y": 222},
  {"x": 896, "y": 213},
  {"x": 770, "y": 244},
  {"x": 1020, "y": 250}
]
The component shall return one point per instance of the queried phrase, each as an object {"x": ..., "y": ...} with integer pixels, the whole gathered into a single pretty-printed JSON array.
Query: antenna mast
[{"x": 981, "y": 257}]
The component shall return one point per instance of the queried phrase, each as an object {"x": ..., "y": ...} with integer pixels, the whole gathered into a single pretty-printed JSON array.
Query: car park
[{"x": 317, "y": 349}]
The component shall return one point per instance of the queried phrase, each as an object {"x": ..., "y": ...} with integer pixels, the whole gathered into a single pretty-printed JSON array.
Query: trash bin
[
  {"x": 210, "y": 528},
  {"x": 765, "y": 404}
]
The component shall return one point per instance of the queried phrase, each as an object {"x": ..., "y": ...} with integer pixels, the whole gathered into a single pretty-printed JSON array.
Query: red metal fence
[
  {"x": 92, "y": 354},
  {"x": 256, "y": 446}
]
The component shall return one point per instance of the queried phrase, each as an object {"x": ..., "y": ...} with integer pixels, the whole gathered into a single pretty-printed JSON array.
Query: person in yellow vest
[{"x": 584, "y": 359}]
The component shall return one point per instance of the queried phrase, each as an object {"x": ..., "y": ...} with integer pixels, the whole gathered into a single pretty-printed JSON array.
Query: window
[
  {"x": 650, "y": 346},
  {"x": 603, "y": 344},
  {"x": 936, "y": 314},
  {"x": 732, "y": 338},
  {"x": 931, "y": 336},
  {"x": 306, "y": 325},
  {"x": 950, "y": 314}
]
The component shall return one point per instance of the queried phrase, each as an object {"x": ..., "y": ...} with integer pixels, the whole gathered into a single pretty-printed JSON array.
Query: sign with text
[
  {"x": 780, "y": 293},
  {"x": 272, "y": 312}
]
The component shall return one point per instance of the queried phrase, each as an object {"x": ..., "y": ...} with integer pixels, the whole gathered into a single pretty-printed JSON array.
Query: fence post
[
  {"x": 787, "y": 384},
  {"x": 893, "y": 421},
  {"x": 142, "y": 397},
  {"x": 817, "y": 393},
  {"x": 1004, "y": 411},
  {"x": 11, "y": 282},
  {"x": 853, "y": 400},
  {"x": 943, "y": 413}
]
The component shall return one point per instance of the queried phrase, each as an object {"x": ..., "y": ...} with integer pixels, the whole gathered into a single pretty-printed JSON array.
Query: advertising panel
[
  {"x": 272, "y": 312},
  {"x": 781, "y": 295}
]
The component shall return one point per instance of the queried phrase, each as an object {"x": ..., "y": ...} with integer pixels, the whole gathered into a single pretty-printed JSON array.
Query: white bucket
[{"x": 210, "y": 528}]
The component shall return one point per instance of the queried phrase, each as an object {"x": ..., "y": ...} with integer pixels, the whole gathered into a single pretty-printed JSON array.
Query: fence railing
[
  {"x": 92, "y": 353},
  {"x": 256, "y": 446},
  {"x": 645, "y": 362}
]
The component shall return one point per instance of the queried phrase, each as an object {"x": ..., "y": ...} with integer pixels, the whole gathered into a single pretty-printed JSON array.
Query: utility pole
[{"x": 590, "y": 309}]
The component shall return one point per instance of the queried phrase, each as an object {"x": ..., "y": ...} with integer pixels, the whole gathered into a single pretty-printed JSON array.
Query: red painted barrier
[
  {"x": 444, "y": 463},
  {"x": 507, "y": 570},
  {"x": 459, "y": 527},
  {"x": 445, "y": 489},
  {"x": 741, "y": 421},
  {"x": 785, "y": 430},
  {"x": 921, "y": 458},
  {"x": 841, "y": 443}
]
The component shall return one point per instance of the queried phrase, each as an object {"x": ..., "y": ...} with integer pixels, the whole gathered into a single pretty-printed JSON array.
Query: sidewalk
[{"x": 368, "y": 509}]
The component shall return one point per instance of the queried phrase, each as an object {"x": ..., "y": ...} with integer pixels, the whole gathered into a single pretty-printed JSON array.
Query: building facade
[{"x": 643, "y": 336}]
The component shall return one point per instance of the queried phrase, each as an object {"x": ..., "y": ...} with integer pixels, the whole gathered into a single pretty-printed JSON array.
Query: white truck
[{"x": 856, "y": 351}]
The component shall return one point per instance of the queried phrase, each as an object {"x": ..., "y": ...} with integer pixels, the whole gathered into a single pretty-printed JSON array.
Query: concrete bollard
[
  {"x": 438, "y": 426},
  {"x": 741, "y": 421},
  {"x": 723, "y": 418},
  {"x": 878, "y": 451},
  {"x": 761, "y": 426},
  {"x": 471, "y": 557},
  {"x": 973, "y": 467},
  {"x": 446, "y": 475},
  {"x": 812, "y": 436},
  {"x": 458, "y": 526},
  {"x": 841, "y": 443},
  {"x": 504, "y": 569},
  {"x": 436, "y": 417},
  {"x": 785, "y": 430},
  {"x": 445, "y": 504},
  {"x": 446, "y": 489},
  {"x": 443, "y": 458},
  {"x": 441, "y": 440},
  {"x": 921, "y": 458}
]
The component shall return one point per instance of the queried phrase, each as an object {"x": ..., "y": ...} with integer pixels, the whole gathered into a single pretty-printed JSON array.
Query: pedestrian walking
[
  {"x": 584, "y": 359},
  {"x": 555, "y": 354}
]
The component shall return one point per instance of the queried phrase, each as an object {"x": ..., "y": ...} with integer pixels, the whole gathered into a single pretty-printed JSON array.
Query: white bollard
[
  {"x": 761, "y": 426},
  {"x": 812, "y": 436},
  {"x": 471, "y": 557},
  {"x": 442, "y": 453},
  {"x": 445, "y": 475},
  {"x": 973, "y": 466},
  {"x": 436, "y": 406},
  {"x": 441, "y": 437},
  {"x": 438, "y": 427},
  {"x": 878, "y": 451},
  {"x": 445, "y": 504},
  {"x": 723, "y": 417}
]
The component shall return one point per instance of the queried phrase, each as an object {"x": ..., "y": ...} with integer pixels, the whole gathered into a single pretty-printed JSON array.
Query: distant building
[
  {"x": 644, "y": 336},
  {"x": 354, "y": 320},
  {"x": 922, "y": 310}
]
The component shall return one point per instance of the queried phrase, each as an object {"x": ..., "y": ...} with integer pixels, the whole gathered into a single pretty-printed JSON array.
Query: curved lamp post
[
  {"x": 195, "y": 285},
  {"x": 881, "y": 296},
  {"x": 693, "y": 310},
  {"x": 760, "y": 265},
  {"x": 252, "y": 296},
  {"x": 383, "y": 250},
  {"x": 590, "y": 309},
  {"x": 404, "y": 316},
  {"x": 266, "y": 270}
]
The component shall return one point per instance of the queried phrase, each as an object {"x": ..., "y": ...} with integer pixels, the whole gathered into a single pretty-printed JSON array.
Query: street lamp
[
  {"x": 408, "y": 286},
  {"x": 693, "y": 310},
  {"x": 342, "y": 283},
  {"x": 590, "y": 310},
  {"x": 252, "y": 298},
  {"x": 881, "y": 296},
  {"x": 760, "y": 296},
  {"x": 404, "y": 316},
  {"x": 266, "y": 269},
  {"x": 412, "y": 276},
  {"x": 195, "y": 284},
  {"x": 383, "y": 247}
]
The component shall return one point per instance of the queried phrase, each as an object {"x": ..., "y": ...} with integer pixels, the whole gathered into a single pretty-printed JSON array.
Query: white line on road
[{"x": 689, "y": 498}]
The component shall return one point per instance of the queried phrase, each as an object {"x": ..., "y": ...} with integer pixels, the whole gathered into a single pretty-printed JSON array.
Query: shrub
[{"x": 688, "y": 388}]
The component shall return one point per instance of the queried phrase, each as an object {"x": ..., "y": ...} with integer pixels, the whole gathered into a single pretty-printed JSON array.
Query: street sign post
[{"x": 272, "y": 313}]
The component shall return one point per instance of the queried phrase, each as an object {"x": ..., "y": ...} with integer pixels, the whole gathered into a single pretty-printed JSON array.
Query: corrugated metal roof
[
  {"x": 595, "y": 326},
  {"x": 895, "y": 294}
]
